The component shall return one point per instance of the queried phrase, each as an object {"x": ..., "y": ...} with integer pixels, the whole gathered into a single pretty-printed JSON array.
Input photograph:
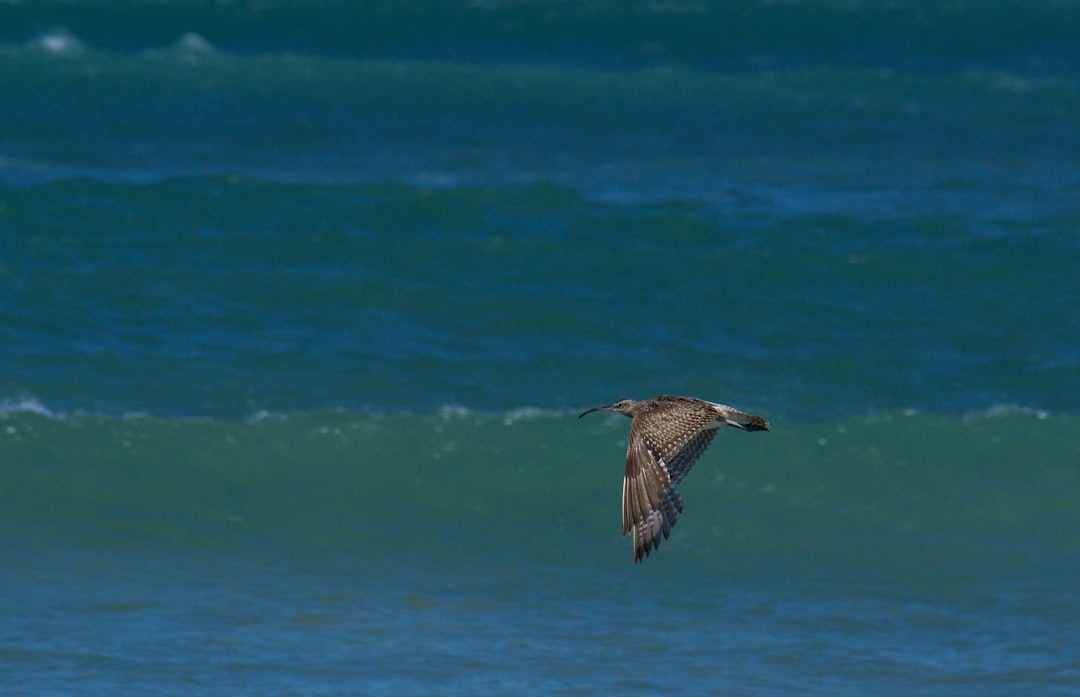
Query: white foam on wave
[
  {"x": 455, "y": 412},
  {"x": 194, "y": 43},
  {"x": 509, "y": 417},
  {"x": 1004, "y": 410},
  {"x": 25, "y": 405},
  {"x": 189, "y": 49},
  {"x": 532, "y": 414},
  {"x": 60, "y": 41}
]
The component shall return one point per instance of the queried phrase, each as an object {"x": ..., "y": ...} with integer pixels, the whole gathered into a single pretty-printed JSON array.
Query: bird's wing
[
  {"x": 680, "y": 433},
  {"x": 650, "y": 501},
  {"x": 682, "y": 460},
  {"x": 655, "y": 463}
]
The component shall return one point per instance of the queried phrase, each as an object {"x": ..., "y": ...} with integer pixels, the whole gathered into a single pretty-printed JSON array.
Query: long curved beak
[{"x": 594, "y": 409}]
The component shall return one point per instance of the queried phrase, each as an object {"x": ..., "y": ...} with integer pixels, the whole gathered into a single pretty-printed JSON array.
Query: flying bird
[{"x": 667, "y": 436}]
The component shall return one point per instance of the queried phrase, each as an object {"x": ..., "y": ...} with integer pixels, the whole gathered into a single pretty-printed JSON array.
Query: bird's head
[{"x": 623, "y": 406}]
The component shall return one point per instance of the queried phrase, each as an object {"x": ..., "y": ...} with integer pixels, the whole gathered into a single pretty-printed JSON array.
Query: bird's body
[{"x": 667, "y": 436}]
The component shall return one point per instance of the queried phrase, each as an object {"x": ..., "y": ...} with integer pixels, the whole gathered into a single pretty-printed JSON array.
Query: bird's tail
[{"x": 747, "y": 422}]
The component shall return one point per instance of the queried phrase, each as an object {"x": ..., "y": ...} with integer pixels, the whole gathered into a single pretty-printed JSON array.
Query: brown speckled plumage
[{"x": 667, "y": 436}]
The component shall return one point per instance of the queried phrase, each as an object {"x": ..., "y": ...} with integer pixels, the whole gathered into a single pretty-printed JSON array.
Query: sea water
[{"x": 299, "y": 302}]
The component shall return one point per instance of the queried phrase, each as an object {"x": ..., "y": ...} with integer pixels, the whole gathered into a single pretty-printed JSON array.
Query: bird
[{"x": 667, "y": 436}]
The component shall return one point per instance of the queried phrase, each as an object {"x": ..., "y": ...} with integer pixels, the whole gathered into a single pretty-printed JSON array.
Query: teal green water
[
  {"x": 919, "y": 481},
  {"x": 344, "y": 552}
]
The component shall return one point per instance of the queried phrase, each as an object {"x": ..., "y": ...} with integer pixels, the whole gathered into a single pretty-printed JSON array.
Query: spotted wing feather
[{"x": 656, "y": 460}]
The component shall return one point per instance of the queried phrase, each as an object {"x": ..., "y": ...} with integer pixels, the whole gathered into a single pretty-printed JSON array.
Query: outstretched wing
[
  {"x": 682, "y": 460},
  {"x": 650, "y": 502},
  {"x": 658, "y": 457}
]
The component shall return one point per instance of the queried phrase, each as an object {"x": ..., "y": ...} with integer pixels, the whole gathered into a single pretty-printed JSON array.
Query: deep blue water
[{"x": 299, "y": 302}]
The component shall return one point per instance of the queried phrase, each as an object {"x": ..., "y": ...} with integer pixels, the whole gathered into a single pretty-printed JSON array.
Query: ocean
[{"x": 300, "y": 302}]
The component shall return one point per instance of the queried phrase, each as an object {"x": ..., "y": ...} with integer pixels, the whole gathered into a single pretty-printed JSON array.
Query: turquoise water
[
  {"x": 299, "y": 303},
  {"x": 342, "y": 553}
]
